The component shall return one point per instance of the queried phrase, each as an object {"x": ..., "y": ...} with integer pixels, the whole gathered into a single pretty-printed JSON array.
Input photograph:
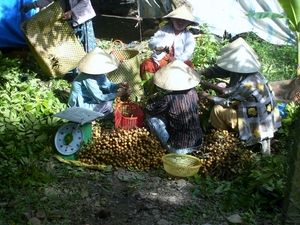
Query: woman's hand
[
  {"x": 67, "y": 15},
  {"x": 206, "y": 85},
  {"x": 203, "y": 95},
  {"x": 125, "y": 89},
  {"x": 124, "y": 92},
  {"x": 123, "y": 85},
  {"x": 163, "y": 49},
  {"x": 204, "y": 72},
  {"x": 155, "y": 97}
]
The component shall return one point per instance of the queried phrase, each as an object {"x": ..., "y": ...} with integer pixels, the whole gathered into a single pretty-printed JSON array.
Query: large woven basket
[
  {"x": 52, "y": 41},
  {"x": 128, "y": 70}
]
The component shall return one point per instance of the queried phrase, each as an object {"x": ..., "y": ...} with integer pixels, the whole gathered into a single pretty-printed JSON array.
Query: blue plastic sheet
[{"x": 11, "y": 18}]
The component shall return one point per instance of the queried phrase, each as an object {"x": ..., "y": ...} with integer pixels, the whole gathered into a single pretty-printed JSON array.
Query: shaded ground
[
  {"x": 112, "y": 28},
  {"x": 136, "y": 198},
  {"x": 117, "y": 20},
  {"x": 123, "y": 197}
]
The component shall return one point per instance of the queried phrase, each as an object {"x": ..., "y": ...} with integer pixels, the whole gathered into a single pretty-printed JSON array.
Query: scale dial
[{"x": 69, "y": 138}]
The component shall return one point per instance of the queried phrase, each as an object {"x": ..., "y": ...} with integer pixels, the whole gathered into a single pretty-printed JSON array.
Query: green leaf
[
  {"x": 292, "y": 10},
  {"x": 123, "y": 178},
  {"x": 108, "y": 168},
  {"x": 84, "y": 193},
  {"x": 263, "y": 15},
  {"x": 222, "y": 188},
  {"x": 42, "y": 138}
]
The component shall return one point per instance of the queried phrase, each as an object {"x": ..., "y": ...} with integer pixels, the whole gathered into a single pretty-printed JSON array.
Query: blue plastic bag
[{"x": 281, "y": 107}]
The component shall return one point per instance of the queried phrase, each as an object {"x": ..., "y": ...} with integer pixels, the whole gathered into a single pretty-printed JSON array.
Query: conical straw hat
[
  {"x": 235, "y": 44},
  {"x": 239, "y": 60},
  {"x": 183, "y": 13},
  {"x": 98, "y": 62},
  {"x": 176, "y": 76}
]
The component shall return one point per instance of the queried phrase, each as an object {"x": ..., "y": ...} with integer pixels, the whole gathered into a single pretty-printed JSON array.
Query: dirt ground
[
  {"x": 125, "y": 197},
  {"x": 136, "y": 198}
]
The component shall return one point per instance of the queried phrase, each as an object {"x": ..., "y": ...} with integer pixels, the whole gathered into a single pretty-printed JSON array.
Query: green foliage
[
  {"x": 188, "y": 213},
  {"x": 292, "y": 15},
  {"x": 27, "y": 124},
  {"x": 278, "y": 61},
  {"x": 206, "y": 50},
  {"x": 288, "y": 129},
  {"x": 262, "y": 15},
  {"x": 205, "y": 186},
  {"x": 260, "y": 189},
  {"x": 292, "y": 10}
]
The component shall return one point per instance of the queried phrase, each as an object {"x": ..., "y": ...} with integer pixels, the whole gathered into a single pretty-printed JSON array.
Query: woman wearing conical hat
[
  {"x": 172, "y": 41},
  {"x": 174, "y": 117},
  {"x": 218, "y": 72},
  {"x": 249, "y": 106},
  {"x": 91, "y": 89}
]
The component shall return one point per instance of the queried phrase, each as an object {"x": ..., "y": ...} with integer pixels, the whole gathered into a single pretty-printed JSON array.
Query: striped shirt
[{"x": 181, "y": 111}]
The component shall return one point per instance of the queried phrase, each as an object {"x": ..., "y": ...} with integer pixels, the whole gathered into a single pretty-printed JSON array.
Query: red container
[{"x": 128, "y": 116}]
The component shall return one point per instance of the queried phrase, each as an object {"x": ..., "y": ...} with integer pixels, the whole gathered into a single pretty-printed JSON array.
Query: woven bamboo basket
[
  {"x": 52, "y": 41},
  {"x": 128, "y": 70}
]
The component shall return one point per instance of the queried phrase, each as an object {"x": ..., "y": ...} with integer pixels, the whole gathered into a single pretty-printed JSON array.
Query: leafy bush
[
  {"x": 26, "y": 123},
  {"x": 279, "y": 62},
  {"x": 258, "y": 188},
  {"x": 207, "y": 48}
]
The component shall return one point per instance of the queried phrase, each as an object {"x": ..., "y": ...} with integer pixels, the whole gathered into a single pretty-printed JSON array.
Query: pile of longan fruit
[
  {"x": 222, "y": 154},
  {"x": 135, "y": 148},
  {"x": 204, "y": 107}
]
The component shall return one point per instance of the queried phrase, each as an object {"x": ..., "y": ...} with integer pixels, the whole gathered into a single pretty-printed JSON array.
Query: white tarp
[{"x": 229, "y": 15}]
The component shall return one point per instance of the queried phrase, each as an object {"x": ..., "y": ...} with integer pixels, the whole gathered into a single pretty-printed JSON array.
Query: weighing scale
[{"x": 70, "y": 137}]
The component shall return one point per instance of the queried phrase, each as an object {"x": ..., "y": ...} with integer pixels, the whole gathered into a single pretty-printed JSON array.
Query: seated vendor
[
  {"x": 172, "y": 41},
  {"x": 91, "y": 89},
  {"x": 173, "y": 116},
  {"x": 248, "y": 106},
  {"x": 214, "y": 72}
]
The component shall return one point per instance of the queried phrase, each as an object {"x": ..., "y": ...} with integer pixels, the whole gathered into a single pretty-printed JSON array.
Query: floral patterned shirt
[{"x": 258, "y": 114}]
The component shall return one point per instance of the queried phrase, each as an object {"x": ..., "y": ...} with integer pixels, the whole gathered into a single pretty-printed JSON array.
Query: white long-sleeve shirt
[
  {"x": 82, "y": 10},
  {"x": 184, "y": 43}
]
